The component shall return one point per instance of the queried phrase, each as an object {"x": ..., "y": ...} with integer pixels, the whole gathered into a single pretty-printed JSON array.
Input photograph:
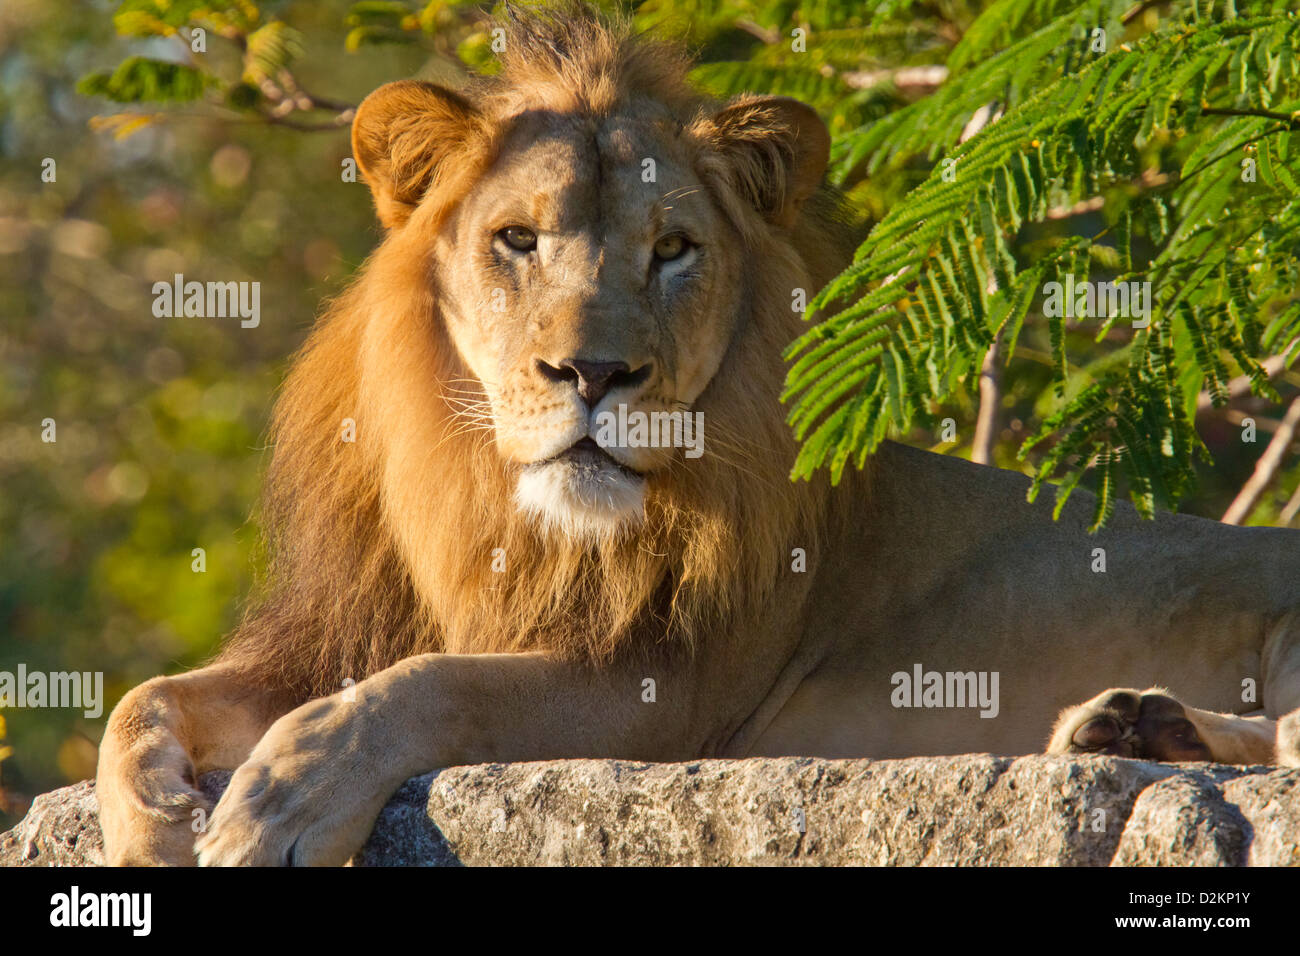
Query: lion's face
[
  {"x": 588, "y": 264},
  {"x": 589, "y": 278}
]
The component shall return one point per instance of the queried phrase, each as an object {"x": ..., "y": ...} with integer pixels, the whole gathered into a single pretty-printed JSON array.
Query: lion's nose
[{"x": 594, "y": 380}]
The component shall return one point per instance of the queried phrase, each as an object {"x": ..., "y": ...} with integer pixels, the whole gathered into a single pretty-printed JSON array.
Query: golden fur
[{"x": 346, "y": 599}]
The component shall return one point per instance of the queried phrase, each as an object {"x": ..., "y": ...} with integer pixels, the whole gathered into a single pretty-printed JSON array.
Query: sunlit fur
[
  {"x": 384, "y": 547},
  {"x": 580, "y": 499}
]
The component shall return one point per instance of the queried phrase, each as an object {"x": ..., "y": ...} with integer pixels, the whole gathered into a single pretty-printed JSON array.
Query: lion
[{"x": 460, "y": 572}]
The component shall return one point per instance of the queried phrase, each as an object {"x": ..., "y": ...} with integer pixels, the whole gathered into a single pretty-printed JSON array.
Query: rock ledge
[{"x": 972, "y": 810}]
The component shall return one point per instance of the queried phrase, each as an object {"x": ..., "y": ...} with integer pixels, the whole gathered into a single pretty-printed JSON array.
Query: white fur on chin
[{"x": 581, "y": 499}]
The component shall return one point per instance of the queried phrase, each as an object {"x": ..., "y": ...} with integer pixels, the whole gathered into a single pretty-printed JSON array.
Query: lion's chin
[{"x": 582, "y": 496}]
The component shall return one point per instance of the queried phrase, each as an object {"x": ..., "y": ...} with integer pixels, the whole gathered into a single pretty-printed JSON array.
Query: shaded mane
[{"x": 406, "y": 540}]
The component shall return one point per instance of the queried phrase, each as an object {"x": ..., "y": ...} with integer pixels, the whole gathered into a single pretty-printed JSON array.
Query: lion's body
[
  {"x": 497, "y": 588},
  {"x": 949, "y": 568}
]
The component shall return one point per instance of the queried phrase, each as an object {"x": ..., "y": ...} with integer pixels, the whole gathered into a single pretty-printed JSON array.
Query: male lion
[{"x": 475, "y": 579}]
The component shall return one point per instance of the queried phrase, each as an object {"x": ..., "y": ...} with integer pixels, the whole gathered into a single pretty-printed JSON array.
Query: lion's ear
[
  {"x": 776, "y": 149},
  {"x": 401, "y": 134}
]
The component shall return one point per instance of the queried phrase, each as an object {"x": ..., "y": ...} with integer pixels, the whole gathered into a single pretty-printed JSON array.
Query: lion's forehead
[{"x": 565, "y": 169}]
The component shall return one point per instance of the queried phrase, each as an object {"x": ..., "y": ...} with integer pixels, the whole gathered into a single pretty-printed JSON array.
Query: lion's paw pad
[{"x": 1128, "y": 724}]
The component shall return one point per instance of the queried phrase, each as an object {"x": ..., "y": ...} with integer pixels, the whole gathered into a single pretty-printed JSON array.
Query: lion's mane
[{"x": 393, "y": 544}]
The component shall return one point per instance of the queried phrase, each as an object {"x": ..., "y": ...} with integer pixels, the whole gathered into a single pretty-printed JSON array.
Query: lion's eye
[
  {"x": 670, "y": 247},
  {"x": 519, "y": 238}
]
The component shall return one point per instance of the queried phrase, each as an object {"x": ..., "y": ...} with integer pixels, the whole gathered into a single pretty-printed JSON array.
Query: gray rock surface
[{"x": 929, "y": 811}]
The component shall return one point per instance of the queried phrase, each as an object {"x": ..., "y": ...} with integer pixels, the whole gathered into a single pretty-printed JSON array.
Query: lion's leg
[
  {"x": 311, "y": 789},
  {"x": 159, "y": 738},
  {"x": 1282, "y": 687}
]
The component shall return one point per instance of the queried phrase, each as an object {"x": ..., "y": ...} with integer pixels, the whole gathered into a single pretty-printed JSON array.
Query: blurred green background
[{"x": 161, "y": 422}]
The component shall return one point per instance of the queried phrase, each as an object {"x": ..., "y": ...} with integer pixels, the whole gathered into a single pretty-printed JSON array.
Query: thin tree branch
[
  {"x": 324, "y": 103},
  {"x": 1140, "y": 9},
  {"x": 280, "y": 115},
  {"x": 753, "y": 29},
  {"x": 340, "y": 122},
  {"x": 1291, "y": 510},
  {"x": 290, "y": 84},
  {"x": 1232, "y": 149},
  {"x": 913, "y": 78},
  {"x": 1292, "y": 119},
  {"x": 1266, "y": 468},
  {"x": 986, "y": 426},
  {"x": 1270, "y": 425}
]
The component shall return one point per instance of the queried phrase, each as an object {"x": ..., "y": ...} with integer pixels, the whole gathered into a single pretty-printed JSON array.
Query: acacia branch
[
  {"x": 986, "y": 426},
  {"x": 1266, "y": 468},
  {"x": 768, "y": 36},
  {"x": 342, "y": 121},
  {"x": 305, "y": 99},
  {"x": 907, "y": 78},
  {"x": 1291, "y": 119},
  {"x": 1140, "y": 9},
  {"x": 324, "y": 103},
  {"x": 1291, "y": 510}
]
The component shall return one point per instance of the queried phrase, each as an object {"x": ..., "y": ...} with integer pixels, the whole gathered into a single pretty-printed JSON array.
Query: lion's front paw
[
  {"x": 150, "y": 804},
  {"x": 150, "y": 818},
  {"x": 308, "y": 794},
  {"x": 1129, "y": 723}
]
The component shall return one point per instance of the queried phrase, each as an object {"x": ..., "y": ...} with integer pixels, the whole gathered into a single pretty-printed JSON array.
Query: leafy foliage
[
  {"x": 138, "y": 79},
  {"x": 1187, "y": 136}
]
